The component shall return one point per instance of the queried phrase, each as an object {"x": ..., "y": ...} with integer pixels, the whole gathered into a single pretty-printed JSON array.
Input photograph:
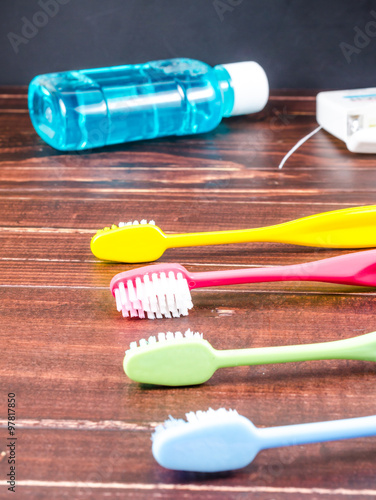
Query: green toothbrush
[{"x": 177, "y": 359}]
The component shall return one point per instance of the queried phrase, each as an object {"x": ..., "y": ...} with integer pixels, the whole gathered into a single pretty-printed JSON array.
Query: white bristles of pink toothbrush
[{"x": 154, "y": 295}]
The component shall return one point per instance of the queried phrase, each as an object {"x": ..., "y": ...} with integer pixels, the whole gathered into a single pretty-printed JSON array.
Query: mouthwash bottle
[{"x": 78, "y": 110}]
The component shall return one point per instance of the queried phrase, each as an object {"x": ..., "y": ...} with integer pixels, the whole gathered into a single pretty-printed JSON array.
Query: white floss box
[{"x": 350, "y": 115}]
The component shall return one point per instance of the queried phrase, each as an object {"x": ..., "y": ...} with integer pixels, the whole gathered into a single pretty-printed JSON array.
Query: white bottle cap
[{"x": 250, "y": 85}]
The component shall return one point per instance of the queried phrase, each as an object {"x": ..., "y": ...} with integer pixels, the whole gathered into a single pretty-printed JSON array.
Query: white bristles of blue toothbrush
[{"x": 193, "y": 417}]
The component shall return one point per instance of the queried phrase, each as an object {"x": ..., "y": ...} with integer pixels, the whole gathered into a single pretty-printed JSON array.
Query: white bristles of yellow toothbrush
[
  {"x": 158, "y": 297},
  {"x": 136, "y": 223}
]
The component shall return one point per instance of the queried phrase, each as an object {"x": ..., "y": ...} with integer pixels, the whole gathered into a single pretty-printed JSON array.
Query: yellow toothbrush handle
[{"x": 346, "y": 228}]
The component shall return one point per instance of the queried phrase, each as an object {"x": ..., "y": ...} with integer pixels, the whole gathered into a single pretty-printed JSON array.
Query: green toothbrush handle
[{"x": 357, "y": 348}]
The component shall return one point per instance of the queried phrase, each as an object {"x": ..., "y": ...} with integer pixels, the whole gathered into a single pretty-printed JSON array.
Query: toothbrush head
[
  {"x": 172, "y": 360},
  {"x": 211, "y": 441},
  {"x": 129, "y": 242},
  {"x": 155, "y": 291}
]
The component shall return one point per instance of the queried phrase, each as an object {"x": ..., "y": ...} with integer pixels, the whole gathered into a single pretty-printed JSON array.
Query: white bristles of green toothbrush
[
  {"x": 193, "y": 418},
  {"x": 158, "y": 297},
  {"x": 164, "y": 337},
  {"x": 136, "y": 223}
]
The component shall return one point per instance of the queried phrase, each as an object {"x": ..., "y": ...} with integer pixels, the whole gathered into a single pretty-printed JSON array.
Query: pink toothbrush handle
[{"x": 351, "y": 269}]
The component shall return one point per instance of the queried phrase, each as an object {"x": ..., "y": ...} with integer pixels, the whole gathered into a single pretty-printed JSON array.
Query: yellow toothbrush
[{"x": 145, "y": 242}]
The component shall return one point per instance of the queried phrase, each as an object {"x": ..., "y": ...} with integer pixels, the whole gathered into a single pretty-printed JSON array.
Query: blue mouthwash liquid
[{"x": 85, "y": 109}]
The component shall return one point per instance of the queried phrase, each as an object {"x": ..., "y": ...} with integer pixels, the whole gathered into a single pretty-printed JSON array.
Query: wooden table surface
[{"x": 83, "y": 428}]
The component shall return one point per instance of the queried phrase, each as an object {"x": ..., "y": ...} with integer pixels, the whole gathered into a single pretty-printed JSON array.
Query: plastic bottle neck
[
  {"x": 227, "y": 91},
  {"x": 244, "y": 86}
]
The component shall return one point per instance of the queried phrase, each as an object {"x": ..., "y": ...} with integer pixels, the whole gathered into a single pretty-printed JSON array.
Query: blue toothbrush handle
[{"x": 289, "y": 435}]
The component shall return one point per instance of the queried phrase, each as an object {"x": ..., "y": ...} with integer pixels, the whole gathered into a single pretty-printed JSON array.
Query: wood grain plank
[
  {"x": 189, "y": 214},
  {"x": 112, "y": 452},
  {"x": 60, "y": 347}
]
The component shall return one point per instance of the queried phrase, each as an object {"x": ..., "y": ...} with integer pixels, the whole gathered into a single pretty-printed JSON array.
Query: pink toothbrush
[{"x": 163, "y": 290}]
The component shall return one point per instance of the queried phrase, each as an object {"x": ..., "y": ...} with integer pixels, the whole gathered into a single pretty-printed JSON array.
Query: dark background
[{"x": 297, "y": 41}]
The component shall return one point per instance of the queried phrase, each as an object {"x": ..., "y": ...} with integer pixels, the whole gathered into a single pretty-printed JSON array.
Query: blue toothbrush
[{"x": 221, "y": 440}]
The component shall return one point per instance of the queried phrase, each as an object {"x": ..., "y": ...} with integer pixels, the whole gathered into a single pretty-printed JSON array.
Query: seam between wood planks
[
  {"x": 87, "y": 261},
  {"x": 163, "y": 200},
  {"x": 157, "y": 189},
  {"x": 195, "y": 487},
  {"x": 82, "y": 425},
  {"x": 68, "y": 230}
]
